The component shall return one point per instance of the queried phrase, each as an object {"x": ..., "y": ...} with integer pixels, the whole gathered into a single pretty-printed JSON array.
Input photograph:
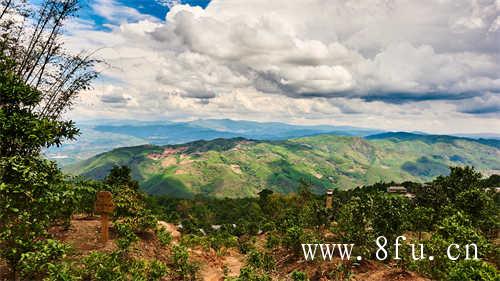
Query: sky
[{"x": 428, "y": 65}]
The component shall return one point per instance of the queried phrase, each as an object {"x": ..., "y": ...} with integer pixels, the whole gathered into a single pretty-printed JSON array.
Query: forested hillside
[{"x": 240, "y": 167}]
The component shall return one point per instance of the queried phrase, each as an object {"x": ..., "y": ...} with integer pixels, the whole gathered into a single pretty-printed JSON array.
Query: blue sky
[
  {"x": 395, "y": 65},
  {"x": 157, "y": 9}
]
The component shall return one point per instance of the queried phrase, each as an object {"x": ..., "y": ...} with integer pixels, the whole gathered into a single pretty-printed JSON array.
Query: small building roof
[{"x": 396, "y": 189}]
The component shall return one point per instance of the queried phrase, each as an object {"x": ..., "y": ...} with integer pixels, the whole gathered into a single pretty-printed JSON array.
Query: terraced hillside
[{"x": 239, "y": 167}]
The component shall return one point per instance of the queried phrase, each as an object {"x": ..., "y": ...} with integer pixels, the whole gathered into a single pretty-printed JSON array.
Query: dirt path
[
  {"x": 83, "y": 235},
  {"x": 212, "y": 266},
  {"x": 380, "y": 272},
  {"x": 388, "y": 275}
]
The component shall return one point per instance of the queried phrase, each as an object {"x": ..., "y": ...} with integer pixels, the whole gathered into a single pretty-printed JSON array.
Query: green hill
[{"x": 239, "y": 167}]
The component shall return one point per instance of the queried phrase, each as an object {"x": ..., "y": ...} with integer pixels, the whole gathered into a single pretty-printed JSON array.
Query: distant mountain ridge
[
  {"x": 206, "y": 129},
  {"x": 431, "y": 138},
  {"x": 104, "y": 135},
  {"x": 239, "y": 167}
]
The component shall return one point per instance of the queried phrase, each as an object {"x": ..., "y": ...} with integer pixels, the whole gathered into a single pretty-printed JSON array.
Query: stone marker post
[
  {"x": 104, "y": 206},
  {"x": 329, "y": 198}
]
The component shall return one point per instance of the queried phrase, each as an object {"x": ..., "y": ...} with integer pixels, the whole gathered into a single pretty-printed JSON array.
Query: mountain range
[
  {"x": 238, "y": 167},
  {"x": 99, "y": 136}
]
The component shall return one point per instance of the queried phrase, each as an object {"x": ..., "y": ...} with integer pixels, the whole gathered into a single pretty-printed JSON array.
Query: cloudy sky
[{"x": 423, "y": 65}]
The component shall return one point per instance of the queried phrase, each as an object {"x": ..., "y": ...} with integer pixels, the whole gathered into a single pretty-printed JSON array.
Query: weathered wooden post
[
  {"x": 329, "y": 198},
  {"x": 104, "y": 206}
]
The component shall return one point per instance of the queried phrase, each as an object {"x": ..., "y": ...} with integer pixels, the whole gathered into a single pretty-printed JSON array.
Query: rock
[{"x": 170, "y": 228}]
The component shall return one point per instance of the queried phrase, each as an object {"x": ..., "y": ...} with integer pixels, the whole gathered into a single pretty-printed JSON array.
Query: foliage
[
  {"x": 291, "y": 220},
  {"x": 473, "y": 270},
  {"x": 113, "y": 266},
  {"x": 249, "y": 273},
  {"x": 127, "y": 235},
  {"x": 33, "y": 195},
  {"x": 181, "y": 264},
  {"x": 34, "y": 45},
  {"x": 359, "y": 233},
  {"x": 164, "y": 236},
  {"x": 130, "y": 203},
  {"x": 391, "y": 216},
  {"x": 455, "y": 229},
  {"x": 420, "y": 219},
  {"x": 38, "y": 82},
  {"x": 261, "y": 260},
  {"x": 299, "y": 276},
  {"x": 44, "y": 254}
]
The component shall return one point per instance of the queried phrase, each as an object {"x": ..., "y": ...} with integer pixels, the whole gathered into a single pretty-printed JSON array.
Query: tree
[
  {"x": 33, "y": 196},
  {"x": 33, "y": 193},
  {"x": 264, "y": 195},
  {"x": 130, "y": 202},
  {"x": 38, "y": 82},
  {"x": 453, "y": 229},
  {"x": 390, "y": 216},
  {"x": 304, "y": 191},
  {"x": 121, "y": 176},
  {"x": 421, "y": 219},
  {"x": 24, "y": 132},
  {"x": 35, "y": 45},
  {"x": 355, "y": 224},
  {"x": 460, "y": 179},
  {"x": 444, "y": 190},
  {"x": 481, "y": 209}
]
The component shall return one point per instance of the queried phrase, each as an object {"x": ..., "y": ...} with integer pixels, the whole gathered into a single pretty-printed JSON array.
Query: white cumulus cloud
[{"x": 333, "y": 61}]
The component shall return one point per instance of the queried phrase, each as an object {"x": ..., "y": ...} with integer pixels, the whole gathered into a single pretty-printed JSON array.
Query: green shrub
[
  {"x": 33, "y": 196},
  {"x": 222, "y": 239},
  {"x": 44, "y": 254},
  {"x": 299, "y": 276},
  {"x": 246, "y": 244},
  {"x": 473, "y": 270},
  {"x": 454, "y": 229},
  {"x": 341, "y": 272},
  {"x": 164, "y": 236},
  {"x": 126, "y": 234},
  {"x": 62, "y": 271},
  {"x": 248, "y": 273},
  {"x": 115, "y": 266},
  {"x": 261, "y": 261},
  {"x": 273, "y": 240},
  {"x": 181, "y": 264}
]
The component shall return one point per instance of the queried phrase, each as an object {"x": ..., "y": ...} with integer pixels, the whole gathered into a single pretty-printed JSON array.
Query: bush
[
  {"x": 246, "y": 244},
  {"x": 34, "y": 195},
  {"x": 454, "y": 229},
  {"x": 261, "y": 261},
  {"x": 359, "y": 233},
  {"x": 127, "y": 235},
  {"x": 37, "y": 262},
  {"x": 293, "y": 239},
  {"x": 273, "y": 240},
  {"x": 114, "y": 266},
  {"x": 473, "y": 270},
  {"x": 164, "y": 236},
  {"x": 181, "y": 264},
  {"x": 299, "y": 276},
  {"x": 249, "y": 273}
]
